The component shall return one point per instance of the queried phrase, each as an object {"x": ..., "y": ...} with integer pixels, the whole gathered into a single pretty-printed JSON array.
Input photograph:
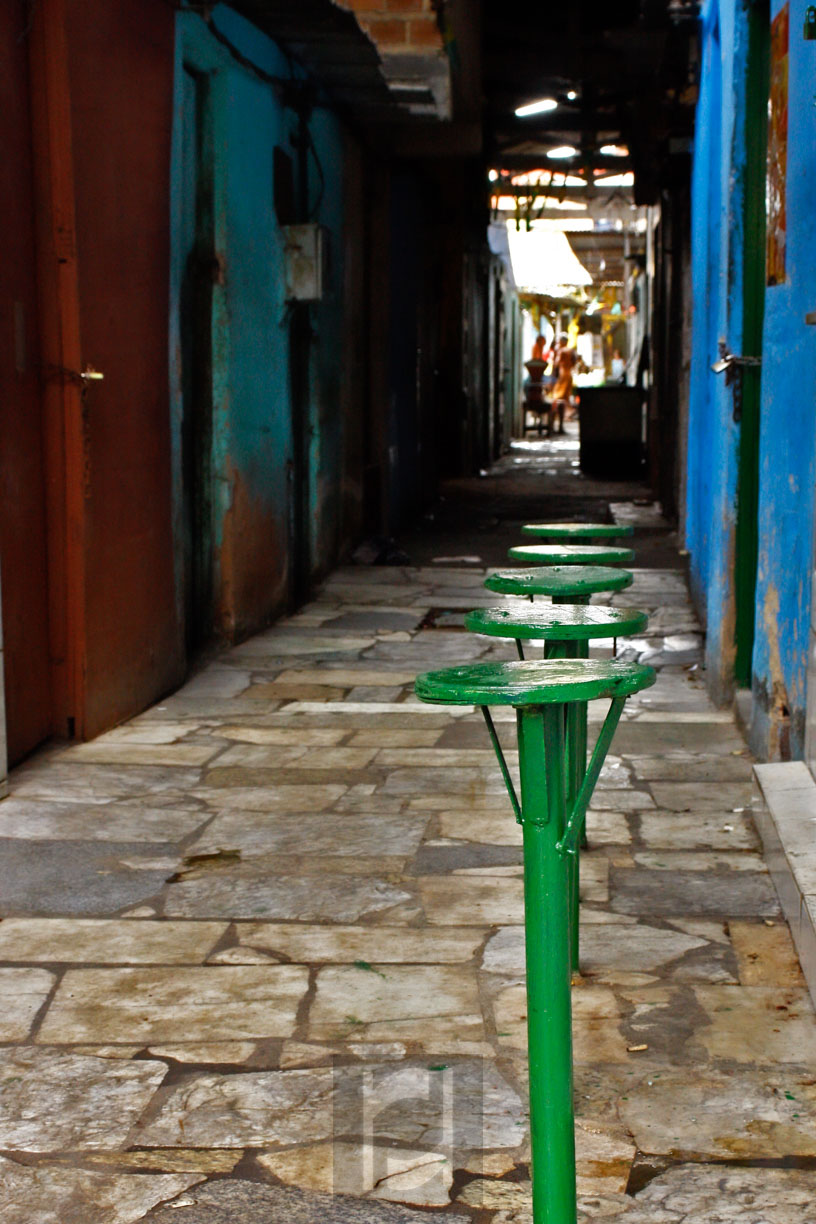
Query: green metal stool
[
  {"x": 565, "y": 584},
  {"x": 577, "y": 531},
  {"x": 566, "y": 632},
  {"x": 570, "y": 554},
  {"x": 540, "y": 692}
]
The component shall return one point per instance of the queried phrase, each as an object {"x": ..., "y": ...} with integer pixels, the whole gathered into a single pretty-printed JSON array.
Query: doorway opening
[
  {"x": 199, "y": 272},
  {"x": 749, "y": 389}
]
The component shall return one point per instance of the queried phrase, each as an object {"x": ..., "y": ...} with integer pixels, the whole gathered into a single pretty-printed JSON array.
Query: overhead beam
[
  {"x": 553, "y": 122},
  {"x": 507, "y": 160},
  {"x": 558, "y": 192}
]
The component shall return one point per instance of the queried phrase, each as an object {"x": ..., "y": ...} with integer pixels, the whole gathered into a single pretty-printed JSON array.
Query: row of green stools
[{"x": 551, "y": 697}]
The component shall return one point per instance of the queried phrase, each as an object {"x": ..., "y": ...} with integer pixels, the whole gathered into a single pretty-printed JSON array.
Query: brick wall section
[{"x": 397, "y": 25}]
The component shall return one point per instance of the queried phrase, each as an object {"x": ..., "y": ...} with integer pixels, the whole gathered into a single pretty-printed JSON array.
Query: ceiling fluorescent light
[
  {"x": 536, "y": 108},
  {"x": 561, "y": 151},
  {"x": 616, "y": 180}
]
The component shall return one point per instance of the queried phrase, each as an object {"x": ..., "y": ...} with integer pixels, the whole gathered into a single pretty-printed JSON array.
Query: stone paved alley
[{"x": 264, "y": 941}]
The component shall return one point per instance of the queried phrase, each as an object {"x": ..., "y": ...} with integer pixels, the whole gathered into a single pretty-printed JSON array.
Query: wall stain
[
  {"x": 772, "y": 692},
  {"x": 252, "y": 565}
]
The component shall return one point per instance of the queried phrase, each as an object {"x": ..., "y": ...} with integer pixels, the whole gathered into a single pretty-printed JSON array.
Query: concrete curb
[{"x": 785, "y": 814}]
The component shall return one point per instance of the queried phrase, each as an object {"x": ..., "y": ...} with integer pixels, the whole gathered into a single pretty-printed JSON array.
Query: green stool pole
[
  {"x": 540, "y": 692},
  {"x": 581, "y": 601},
  {"x": 575, "y": 734},
  {"x": 549, "y": 1008}
]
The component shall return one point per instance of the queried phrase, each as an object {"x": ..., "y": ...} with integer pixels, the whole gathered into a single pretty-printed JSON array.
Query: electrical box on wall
[{"x": 306, "y": 251}]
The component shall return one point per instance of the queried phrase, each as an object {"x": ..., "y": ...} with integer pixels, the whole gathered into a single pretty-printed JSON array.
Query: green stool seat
[
  {"x": 577, "y": 531},
  {"x": 564, "y": 583},
  {"x": 532, "y": 682},
  {"x": 570, "y": 554},
  {"x": 551, "y": 820},
  {"x": 562, "y": 623}
]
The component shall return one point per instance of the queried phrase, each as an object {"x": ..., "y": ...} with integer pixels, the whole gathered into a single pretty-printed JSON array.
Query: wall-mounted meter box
[{"x": 306, "y": 256}]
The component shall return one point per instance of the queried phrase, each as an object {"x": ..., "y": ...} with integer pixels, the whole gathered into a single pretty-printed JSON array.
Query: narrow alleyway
[{"x": 264, "y": 942}]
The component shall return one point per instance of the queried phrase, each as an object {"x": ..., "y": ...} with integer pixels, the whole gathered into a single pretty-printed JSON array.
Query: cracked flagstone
[
  {"x": 744, "y": 1113},
  {"x": 51, "y": 820},
  {"x": 688, "y": 766},
  {"x": 23, "y": 992},
  {"x": 766, "y": 955},
  {"x": 129, "y": 752},
  {"x": 382, "y": 944},
  {"x": 378, "y": 994},
  {"x": 236, "y": 788},
  {"x": 402, "y": 1175},
  {"x": 77, "y": 877},
  {"x": 776, "y": 1026},
  {"x": 210, "y": 1004},
  {"x": 52, "y": 1100},
  {"x": 703, "y": 830},
  {"x": 475, "y": 901},
  {"x": 660, "y": 892},
  {"x": 603, "y": 1154},
  {"x": 244, "y": 1109},
  {"x": 250, "y": 1202},
  {"x": 107, "y": 941},
  {"x": 51, "y": 1194},
  {"x": 700, "y": 796},
  {"x": 362, "y": 832},
  {"x": 265, "y": 756},
  {"x": 65, "y": 782},
  {"x": 689, "y": 1194},
  {"x": 596, "y": 1030},
  {"x": 254, "y": 893}
]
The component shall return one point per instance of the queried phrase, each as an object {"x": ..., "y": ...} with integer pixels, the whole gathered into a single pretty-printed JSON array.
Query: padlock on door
[{"x": 810, "y": 23}]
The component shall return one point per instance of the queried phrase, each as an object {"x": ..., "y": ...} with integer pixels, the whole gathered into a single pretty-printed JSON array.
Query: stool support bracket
[
  {"x": 505, "y": 772},
  {"x": 572, "y": 833}
]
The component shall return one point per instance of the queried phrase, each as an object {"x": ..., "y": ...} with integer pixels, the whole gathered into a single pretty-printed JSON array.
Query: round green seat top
[
  {"x": 571, "y": 554},
  {"x": 556, "y": 623},
  {"x": 534, "y": 683},
  {"x": 577, "y": 531},
  {"x": 559, "y": 580}
]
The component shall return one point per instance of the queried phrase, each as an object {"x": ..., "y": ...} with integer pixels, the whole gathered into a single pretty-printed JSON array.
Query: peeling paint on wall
[
  {"x": 788, "y": 438},
  {"x": 253, "y": 438},
  {"x": 775, "y": 692},
  {"x": 251, "y": 562}
]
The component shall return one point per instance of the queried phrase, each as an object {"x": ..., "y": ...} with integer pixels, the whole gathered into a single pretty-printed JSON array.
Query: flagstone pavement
[{"x": 261, "y": 951}]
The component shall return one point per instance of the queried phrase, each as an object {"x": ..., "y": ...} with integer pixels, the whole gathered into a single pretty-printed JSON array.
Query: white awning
[{"x": 544, "y": 261}]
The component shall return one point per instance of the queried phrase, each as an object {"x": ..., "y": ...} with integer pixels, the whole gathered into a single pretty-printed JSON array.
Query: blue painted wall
[
  {"x": 787, "y": 441},
  {"x": 252, "y": 445},
  {"x": 717, "y": 221},
  {"x": 787, "y": 435}
]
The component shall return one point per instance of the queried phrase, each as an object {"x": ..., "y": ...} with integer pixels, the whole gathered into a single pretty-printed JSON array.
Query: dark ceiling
[
  {"x": 623, "y": 72},
  {"x": 328, "y": 42},
  {"x": 631, "y": 65}
]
